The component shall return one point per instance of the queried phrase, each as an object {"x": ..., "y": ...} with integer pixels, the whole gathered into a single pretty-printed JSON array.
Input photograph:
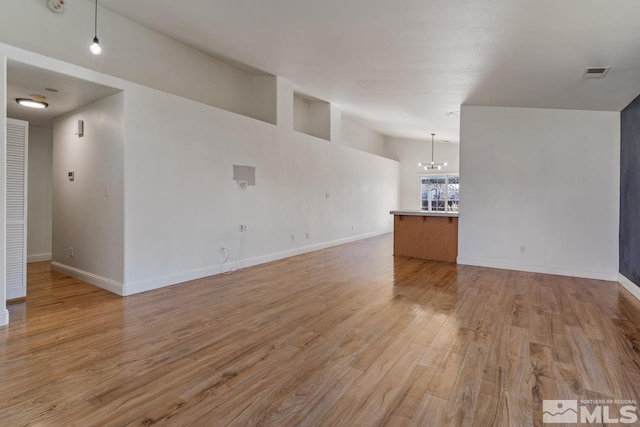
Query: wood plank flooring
[{"x": 347, "y": 336}]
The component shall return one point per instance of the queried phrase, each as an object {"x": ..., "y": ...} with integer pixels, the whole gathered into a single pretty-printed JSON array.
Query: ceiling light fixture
[
  {"x": 432, "y": 164},
  {"x": 95, "y": 46},
  {"x": 31, "y": 103}
]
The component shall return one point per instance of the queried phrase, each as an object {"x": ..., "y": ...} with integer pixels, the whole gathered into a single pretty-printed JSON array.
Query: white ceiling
[
  {"x": 401, "y": 65},
  {"x": 25, "y": 80}
]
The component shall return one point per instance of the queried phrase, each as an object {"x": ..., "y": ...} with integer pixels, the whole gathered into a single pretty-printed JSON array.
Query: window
[{"x": 439, "y": 193}]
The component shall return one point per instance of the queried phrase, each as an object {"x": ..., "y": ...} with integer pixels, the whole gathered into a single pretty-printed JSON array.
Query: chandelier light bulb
[{"x": 95, "y": 47}]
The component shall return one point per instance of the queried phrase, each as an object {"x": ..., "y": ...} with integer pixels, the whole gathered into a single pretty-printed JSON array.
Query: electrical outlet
[
  {"x": 327, "y": 195},
  {"x": 523, "y": 249},
  {"x": 243, "y": 227},
  {"x": 293, "y": 238},
  {"x": 307, "y": 235}
]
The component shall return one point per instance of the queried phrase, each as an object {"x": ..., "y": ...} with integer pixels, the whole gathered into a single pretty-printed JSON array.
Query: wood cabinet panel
[{"x": 426, "y": 237}]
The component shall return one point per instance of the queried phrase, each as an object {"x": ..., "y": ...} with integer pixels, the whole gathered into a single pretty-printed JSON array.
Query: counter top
[{"x": 425, "y": 213}]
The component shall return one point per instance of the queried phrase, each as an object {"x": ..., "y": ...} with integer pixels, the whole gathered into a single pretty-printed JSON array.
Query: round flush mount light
[{"x": 31, "y": 103}]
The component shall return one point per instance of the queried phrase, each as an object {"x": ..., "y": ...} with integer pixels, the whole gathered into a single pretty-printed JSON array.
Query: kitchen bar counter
[
  {"x": 426, "y": 235},
  {"x": 425, "y": 213}
]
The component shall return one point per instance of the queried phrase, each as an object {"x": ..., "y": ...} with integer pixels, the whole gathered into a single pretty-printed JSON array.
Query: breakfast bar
[{"x": 426, "y": 235}]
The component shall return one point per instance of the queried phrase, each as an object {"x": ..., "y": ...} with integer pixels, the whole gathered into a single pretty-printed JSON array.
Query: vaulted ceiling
[{"x": 402, "y": 65}]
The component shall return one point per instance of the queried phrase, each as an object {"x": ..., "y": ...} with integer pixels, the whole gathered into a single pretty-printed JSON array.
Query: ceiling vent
[{"x": 595, "y": 72}]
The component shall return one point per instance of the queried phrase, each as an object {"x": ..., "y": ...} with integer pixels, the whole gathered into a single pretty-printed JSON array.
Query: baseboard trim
[
  {"x": 629, "y": 285},
  {"x": 161, "y": 282},
  {"x": 559, "y": 271},
  {"x": 85, "y": 276},
  {"x": 39, "y": 257},
  {"x": 4, "y": 317}
]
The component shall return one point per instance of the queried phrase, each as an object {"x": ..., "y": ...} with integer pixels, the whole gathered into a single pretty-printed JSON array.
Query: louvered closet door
[{"x": 17, "y": 146}]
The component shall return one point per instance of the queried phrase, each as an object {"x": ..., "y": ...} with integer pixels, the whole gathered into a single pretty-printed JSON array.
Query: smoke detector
[
  {"x": 595, "y": 72},
  {"x": 56, "y": 6}
]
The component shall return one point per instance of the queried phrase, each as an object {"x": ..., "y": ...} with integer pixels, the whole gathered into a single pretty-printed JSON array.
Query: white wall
[
  {"x": 86, "y": 215},
  {"x": 130, "y": 51},
  {"x": 356, "y": 135},
  {"x": 301, "y": 107},
  {"x": 4, "y": 314},
  {"x": 541, "y": 178},
  {"x": 39, "y": 194},
  {"x": 320, "y": 120},
  {"x": 182, "y": 204},
  {"x": 409, "y": 152}
]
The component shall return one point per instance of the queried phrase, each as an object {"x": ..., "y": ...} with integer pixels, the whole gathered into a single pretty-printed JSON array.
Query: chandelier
[{"x": 432, "y": 164}]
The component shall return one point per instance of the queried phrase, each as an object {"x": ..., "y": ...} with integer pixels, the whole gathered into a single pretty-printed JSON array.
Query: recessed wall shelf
[
  {"x": 311, "y": 116},
  {"x": 264, "y": 99}
]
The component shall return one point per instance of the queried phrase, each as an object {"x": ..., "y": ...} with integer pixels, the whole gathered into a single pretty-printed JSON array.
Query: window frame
[{"x": 446, "y": 175}]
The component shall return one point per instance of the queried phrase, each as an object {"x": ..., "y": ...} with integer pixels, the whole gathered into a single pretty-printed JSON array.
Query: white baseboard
[
  {"x": 633, "y": 288},
  {"x": 85, "y": 276},
  {"x": 560, "y": 271},
  {"x": 39, "y": 257},
  {"x": 4, "y": 317},
  {"x": 161, "y": 282}
]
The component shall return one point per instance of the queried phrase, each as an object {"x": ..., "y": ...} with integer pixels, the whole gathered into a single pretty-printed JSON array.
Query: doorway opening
[{"x": 38, "y": 150}]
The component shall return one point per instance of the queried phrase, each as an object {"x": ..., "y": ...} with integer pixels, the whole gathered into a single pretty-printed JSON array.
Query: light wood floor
[{"x": 344, "y": 336}]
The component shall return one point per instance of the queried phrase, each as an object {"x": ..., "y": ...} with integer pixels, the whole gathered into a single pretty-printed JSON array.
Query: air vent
[{"x": 595, "y": 72}]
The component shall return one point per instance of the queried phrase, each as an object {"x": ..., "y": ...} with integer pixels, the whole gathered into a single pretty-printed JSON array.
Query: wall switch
[
  {"x": 80, "y": 128},
  {"x": 243, "y": 227},
  {"x": 327, "y": 195},
  {"x": 293, "y": 238},
  {"x": 307, "y": 235},
  {"x": 72, "y": 175},
  {"x": 523, "y": 249},
  {"x": 222, "y": 250},
  {"x": 71, "y": 251},
  {"x": 106, "y": 191}
]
